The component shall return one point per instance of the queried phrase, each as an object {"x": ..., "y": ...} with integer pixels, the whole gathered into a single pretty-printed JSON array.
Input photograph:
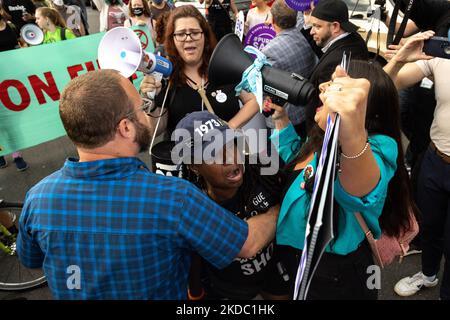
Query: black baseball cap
[
  {"x": 198, "y": 136},
  {"x": 334, "y": 10}
]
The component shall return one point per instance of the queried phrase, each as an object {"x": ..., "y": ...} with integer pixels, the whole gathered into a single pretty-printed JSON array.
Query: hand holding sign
[{"x": 348, "y": 98}]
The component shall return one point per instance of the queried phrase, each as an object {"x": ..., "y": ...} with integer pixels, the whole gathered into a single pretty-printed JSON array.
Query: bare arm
[
  {"x": 248, "y": 110},
  {"x": 261, "y": 231},
  {"x": 401, "y": 68},
  {"x": 410, "y": 29},
  {"x": 360, "y": 175},
  {"x": 234, "y": 7},
  {"x": 403, "y": 75}
]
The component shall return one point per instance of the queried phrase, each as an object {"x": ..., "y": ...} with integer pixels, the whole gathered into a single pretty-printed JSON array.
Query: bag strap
[
  {"x": 63, "y": 33},
  {"x": 201, "y": 91},
  {"x": 161, "y": 114},
  {"x": 390, "y": 39},
  {"x": 363, "y": 224},
  {"x": 369, "y": 236},
  {"x": 226, "y": 11},
  {"x": 200, "y": 88}
]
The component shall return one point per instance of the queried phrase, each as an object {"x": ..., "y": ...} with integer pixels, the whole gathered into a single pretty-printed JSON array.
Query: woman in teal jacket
[{"x": 372, "y": 178}]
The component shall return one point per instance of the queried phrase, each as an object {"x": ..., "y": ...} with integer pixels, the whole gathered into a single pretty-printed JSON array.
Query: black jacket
[
  {"x": 329, "y": 60},
  {"x": 322, "y": 72}
]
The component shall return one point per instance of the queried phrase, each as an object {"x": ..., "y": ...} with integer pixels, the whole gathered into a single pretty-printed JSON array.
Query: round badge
[
  {"x": 308, "y": 172},
  {"x": 221, "y": 97}
]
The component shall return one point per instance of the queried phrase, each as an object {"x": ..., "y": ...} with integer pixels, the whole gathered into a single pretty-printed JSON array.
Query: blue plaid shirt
[
  {"x": 290, "y": 51},
  {"x": 129, "y": 231}
]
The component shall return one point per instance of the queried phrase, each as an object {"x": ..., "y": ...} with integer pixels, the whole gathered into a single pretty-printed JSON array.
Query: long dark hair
[
  {"x": 187, "y": 11},
  {"x": 382, "y": 117},
  {"x": 160, "y": 26}
]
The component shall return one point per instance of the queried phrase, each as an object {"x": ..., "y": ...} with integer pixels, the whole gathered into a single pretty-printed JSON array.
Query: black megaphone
[{"x": 229, "y": 61}]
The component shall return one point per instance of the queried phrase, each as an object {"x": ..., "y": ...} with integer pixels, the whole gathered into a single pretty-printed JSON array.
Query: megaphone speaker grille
[{"x": 32, "y": 34}]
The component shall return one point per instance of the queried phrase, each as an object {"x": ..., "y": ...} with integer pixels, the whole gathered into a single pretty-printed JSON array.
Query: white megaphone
[
  {"x": 32, "y": 34},
  {"x": 120, "y": 49}
]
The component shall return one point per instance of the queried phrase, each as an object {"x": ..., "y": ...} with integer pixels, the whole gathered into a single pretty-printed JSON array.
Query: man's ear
[
  {"x": 126, "y": 128},
  {"x": 335, "y": 27}
]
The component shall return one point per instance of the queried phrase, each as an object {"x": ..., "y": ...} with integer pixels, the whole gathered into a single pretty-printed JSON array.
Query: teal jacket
[{"x": 295, "y": 206}]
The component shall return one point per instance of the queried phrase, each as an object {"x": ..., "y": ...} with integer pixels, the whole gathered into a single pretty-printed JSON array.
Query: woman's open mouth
[
  {"x": 190, "y": 50},
  {"x": 235, "y": 175}
]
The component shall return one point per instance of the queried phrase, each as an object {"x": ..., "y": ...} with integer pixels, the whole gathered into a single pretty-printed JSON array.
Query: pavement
[{"x": 48, "y": 157}]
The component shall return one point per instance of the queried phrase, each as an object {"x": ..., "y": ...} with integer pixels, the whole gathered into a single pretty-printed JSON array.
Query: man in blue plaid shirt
[
  {"x": 104, "y": 226},
  {"x": 290, "y": 51}
]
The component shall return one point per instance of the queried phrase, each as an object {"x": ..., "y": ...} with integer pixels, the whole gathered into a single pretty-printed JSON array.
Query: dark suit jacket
[
  {"x": 327, "y": 64},
  {"x": 329, "y": 60}
]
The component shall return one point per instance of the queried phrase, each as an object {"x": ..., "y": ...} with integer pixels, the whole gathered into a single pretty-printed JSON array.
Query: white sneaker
[{"x": 411, "y": 285}]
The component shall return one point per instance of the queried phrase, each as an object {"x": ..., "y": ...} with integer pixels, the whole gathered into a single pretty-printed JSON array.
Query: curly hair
[
  {"x": 160, "y": 26},
  {"x": 187, "y": 11}
]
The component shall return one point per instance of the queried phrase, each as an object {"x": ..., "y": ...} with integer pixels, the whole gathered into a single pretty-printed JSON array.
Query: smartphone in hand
[{"x": 437, "y": 47}]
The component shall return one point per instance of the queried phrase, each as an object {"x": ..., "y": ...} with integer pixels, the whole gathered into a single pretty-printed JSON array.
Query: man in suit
[
  {"x": 332, "y": 32},
  {"x": 289, "y": 51}
]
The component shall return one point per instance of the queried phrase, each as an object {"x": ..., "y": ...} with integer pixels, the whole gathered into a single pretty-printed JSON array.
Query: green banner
[{"x": 31, "y": 81}]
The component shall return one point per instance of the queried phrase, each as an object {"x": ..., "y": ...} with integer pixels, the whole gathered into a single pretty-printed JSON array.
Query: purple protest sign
[
  {"x": 300, "y": 5},
  {"x": 259, "y": 36}
]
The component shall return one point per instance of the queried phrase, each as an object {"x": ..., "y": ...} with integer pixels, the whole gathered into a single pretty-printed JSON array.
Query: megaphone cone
[
  {"x": 221, "y": 70},
  {"x": 229, "y": 61},
  {"x": 32, "y": 34},
  {"x": 120, "y": 49}
]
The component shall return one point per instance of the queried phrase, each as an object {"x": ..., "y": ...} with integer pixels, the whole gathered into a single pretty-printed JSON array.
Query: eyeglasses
[
  {"x": 182, "y": 36},
  {"x": 146, "y": 106}
]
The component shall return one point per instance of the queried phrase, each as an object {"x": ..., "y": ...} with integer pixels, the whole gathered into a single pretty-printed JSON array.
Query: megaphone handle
[
  {"x": 151, "y": 94},
  {"x": 276, "y": 100},
  {"x": 158, "y": 77}
]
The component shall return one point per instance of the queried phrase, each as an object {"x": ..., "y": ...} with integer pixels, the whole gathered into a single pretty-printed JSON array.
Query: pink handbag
[{"x": 387, "y": 248}]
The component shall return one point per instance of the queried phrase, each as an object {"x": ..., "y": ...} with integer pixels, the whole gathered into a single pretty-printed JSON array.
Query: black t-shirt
[
  {"x": 16, "y": 8},
  {"x": 8, "y": 38},
  {"x": 244, "y": 278},
  {"x": 186, "y": 100},
  {"x": 219, "y": 13},
  {"x": 430, "y": 15}
]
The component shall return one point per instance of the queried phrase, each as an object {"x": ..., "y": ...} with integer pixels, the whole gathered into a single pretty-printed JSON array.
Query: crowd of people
[{"x": 225, "y": 230}]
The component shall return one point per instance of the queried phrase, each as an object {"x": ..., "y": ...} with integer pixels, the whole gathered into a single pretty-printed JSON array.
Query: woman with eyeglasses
[{"x": 189, "y": 43}]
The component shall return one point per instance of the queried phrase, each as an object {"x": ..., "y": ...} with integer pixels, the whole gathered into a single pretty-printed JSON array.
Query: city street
[{"x": 49, "y": 157}]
